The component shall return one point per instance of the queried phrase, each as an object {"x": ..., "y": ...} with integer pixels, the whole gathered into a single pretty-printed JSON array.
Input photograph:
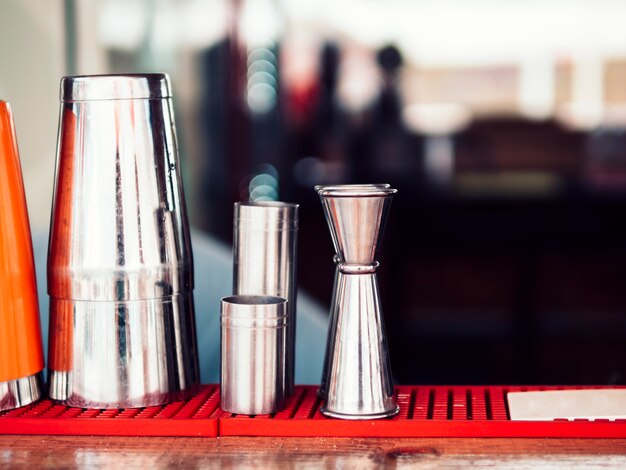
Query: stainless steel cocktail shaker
[
  {"x": 120, "y": 273},
  {"x": 264, "y": 252},
  {"x": 357, "y": 381}
]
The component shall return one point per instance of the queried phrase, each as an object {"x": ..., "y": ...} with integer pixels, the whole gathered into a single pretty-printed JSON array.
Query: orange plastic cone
[{"x": 21, "y": 354}]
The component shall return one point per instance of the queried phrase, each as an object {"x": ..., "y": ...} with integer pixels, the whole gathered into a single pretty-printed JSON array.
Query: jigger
[
  {"x": 120, "y": 273},
  {"x": 358, "y": 381},
  {"x": 332, "y": 323},
  {"x": 21, "y": 354}
]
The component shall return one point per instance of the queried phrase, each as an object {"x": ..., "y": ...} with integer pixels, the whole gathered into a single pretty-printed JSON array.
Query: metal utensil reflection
[{"x": 120, "y": 273}]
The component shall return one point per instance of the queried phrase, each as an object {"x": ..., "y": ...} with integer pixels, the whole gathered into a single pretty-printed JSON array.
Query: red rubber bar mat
[
  {"x": 441, "y": 411},
  {"x": 425, "y": 411},
  {"x": 195, "y": 417}
]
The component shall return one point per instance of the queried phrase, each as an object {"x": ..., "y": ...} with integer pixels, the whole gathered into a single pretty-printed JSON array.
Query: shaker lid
[{"x": 115, "y": 87}]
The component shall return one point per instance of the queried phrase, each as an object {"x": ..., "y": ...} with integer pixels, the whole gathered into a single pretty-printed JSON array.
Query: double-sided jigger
[
  {"x": 120, "y": 274},
  {"x": 21, "y": 354},
  {"x": 253, "y": 337},
  {"x": 357, "y": 380},
  {"x": 332, "y": 324}
]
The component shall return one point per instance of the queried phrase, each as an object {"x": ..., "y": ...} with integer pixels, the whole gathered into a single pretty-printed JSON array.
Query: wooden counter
[{"x": 153, "y": 453}]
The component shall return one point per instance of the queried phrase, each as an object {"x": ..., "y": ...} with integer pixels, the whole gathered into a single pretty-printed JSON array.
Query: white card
[{"x": 567, "y": 404}]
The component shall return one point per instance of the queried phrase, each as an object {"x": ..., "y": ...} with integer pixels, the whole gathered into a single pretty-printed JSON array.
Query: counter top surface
[{"x": 297, "y": 453}]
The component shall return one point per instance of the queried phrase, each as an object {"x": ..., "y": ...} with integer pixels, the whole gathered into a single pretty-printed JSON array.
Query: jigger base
[
  {"x": 353, "y": 417},
  {"x": 21, "y": 392}
]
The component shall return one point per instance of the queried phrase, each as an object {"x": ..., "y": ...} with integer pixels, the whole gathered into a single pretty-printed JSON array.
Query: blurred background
[{"x": 501, "y": 123}]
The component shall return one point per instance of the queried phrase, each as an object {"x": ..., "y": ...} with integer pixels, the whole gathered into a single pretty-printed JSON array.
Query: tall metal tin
[
  {"x": 264, "y": 255},
  {"x": 120, "y": 269}
]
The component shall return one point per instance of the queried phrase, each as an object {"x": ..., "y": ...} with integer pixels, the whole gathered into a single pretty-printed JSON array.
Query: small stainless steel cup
[
  {"x": 264, "y": 258},
  {"x": 253, "y": 335},
  {"x": 120, "y": 272}
]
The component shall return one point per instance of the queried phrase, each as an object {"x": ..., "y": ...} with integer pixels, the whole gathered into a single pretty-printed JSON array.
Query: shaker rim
[
  {"x": 269, "y": 204},
  {"x": 254, "y": 300},
  {"x": 267, "y": 212},
  {"x": 115, "y": 87},
  {"x": 244, "y": 309}
]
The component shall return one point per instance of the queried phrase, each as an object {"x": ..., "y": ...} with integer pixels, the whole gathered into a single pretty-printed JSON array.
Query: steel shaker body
[
  {"x": 120, "y": 269},
  {"x": 264, "y": 252}
]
